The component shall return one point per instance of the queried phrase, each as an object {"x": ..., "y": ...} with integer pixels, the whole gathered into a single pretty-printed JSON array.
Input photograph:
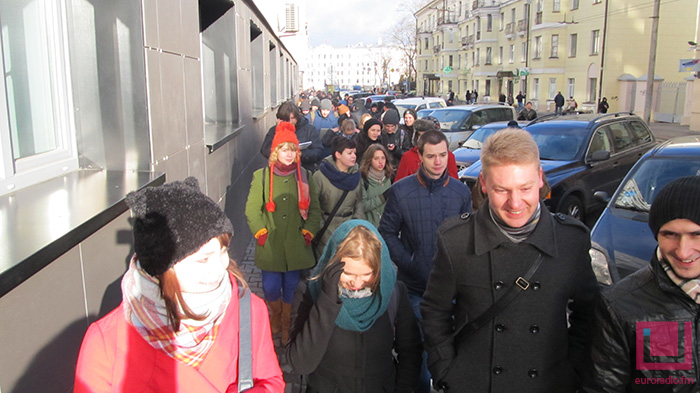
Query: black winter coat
[
  {"x": 401, "y": 142},
  {"x": 528, "y": 347},
  {"x": 647, "y": 295},
  {"x": 311, "y": 156},
  {"x": 344, "y": 361}
]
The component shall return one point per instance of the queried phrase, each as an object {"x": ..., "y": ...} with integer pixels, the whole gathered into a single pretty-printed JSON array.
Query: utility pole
[{"x": 652, "y": 62}]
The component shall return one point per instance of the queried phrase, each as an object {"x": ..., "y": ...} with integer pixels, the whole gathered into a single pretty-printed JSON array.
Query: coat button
[
  {"x": 498, "y": 285},
  {"x": 500, "y": 327},
  {"x": 532, "y": 373},
  {"x": 285, "y": 181},
  {"x": 284, "y": 198},
  {"x": 497, "y": 370},
  {"x": 534, "y": 329},
  {"x": 536, "y": 285},
  {"x": 284, "y": 217}
]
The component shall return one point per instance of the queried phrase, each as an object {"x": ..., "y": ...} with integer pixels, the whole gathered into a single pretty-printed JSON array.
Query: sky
[{"x": 342, "y": 23}]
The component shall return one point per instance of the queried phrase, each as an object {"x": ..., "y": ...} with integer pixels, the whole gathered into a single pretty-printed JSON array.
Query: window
[
  {"x": 595, "y": 42},
  {"x": 451, "y": 35},
  {"x": 570, "y": 84},
  {"x": 426, "y": 42},
  {"x": 574, "y": 5},
  {"x": 36, "y": 133},
  {"x": 487, "y": 88},
  {"x": 274, "y": 58},
  {"x": 538, "y": 47},
  {"x": 535, "y": 88},
  {"x": 500, "y": 55},
  {"x": 552, "y": 88},
  {"x": 489, "y": 22},
  {"x": 556, "y": 5},
  {"x": 597, "y": 1},
  {"x": 621, "y": 136},
  {"x": 555, "y": 46},
  {"x": 512, "y": 53},
  {"x": 477, "y": 56},
  {"x": 450, "y": 61},
  {"x": 503, "y": 21},
  {"x": 488, "y": 56},
  {"x": 523, "y": 55},
  {"x": 573, "y": 42},
  {"x": 640, "y": 131},
  {"x": 592, "y": 86},
  {"x": 478, "y": 28},
  {"x": 512, "y": 15},
  {"x": 599, "y": 142}
]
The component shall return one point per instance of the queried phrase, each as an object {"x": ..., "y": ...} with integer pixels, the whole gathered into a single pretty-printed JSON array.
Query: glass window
[
  {"x": 535, "y": 88},
  {"x": 538, "y": 47},
  {"x": 512, "y": 53},
  {"x": 595, "y": 42},
  {"x": 552, "y": 87},
  {"x": 571, "y": 82},
  {"x": 556, "y": 5},
  {"x": 555, "y": 45},
  {"x": 574, "y": 4},
  {"x": 573, "y": 42},
  {"x": 523, "y": 55},
  {"x": 500, "y": 55},
  {"x": 599, "y": 142},
  {"x": 488, "y": 56},
  {"x": 621, "y": 136},
  {"x": 489, "y": 22},
  {"x": 640, "y": 131}
]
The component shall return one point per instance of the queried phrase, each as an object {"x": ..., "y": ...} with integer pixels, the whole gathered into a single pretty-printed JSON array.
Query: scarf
[
  {"x": 516, "y": 235},
  {"x": 691, "y": 286},
  {"x": 342, "y": 180},
  {"x": 144, "y": 309},
  {"x": 303, "y": 194},
  {"x": 358, "y": 311},
  {"x": 376, "y": 175}
]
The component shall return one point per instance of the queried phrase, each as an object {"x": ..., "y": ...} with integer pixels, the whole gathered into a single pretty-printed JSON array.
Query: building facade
[{"x": 586, "y": 49}]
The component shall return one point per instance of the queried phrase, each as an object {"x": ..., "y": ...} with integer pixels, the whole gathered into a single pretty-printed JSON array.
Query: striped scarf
[
  {"x": 144, "y": 309},
  {"x": 691, "y": 286}
]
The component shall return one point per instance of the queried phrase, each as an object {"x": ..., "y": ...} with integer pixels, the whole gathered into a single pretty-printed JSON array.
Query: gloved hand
[
  {"x": 261, "y": 237},
  {"x": 331, "y": 278},
  {"x": 308, "y": 237}
]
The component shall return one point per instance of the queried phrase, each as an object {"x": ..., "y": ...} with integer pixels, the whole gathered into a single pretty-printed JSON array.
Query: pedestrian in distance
[
  {"x": 603, "y": 106},
  {"x": 339, "y": 190},
  {"x": 521, "y": 99},
  {"x": 177, "y": 328},
  {"x": 528, "y": 113},
  {"x": 656, "y": 307},
  {"x": 394, "y": 138},
  {"x": 352, "y": 316},
  {"x": 284, "y": 215},
  {"x": 415, "y": 207},
  {"x": 559, "y": 103},
  {"x": 377, "y": 172},
  {"x": 324, "y": 118},
  {"x": 409, "y": 118},
  {"x": 504, "y": 280}
]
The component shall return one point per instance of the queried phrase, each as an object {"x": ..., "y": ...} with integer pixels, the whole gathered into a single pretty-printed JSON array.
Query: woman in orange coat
[{"x": 177, "y": 327}]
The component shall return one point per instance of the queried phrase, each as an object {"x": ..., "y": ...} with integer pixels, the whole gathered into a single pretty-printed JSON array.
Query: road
[{"x": 664, "y": 131}]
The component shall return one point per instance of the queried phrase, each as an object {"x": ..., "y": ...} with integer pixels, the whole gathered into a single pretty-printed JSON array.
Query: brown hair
[
  {"x": 509, "y": 146},
  {"x": 273, "y": 156},
  {"x": 288, "y": 110},
  {"x": 348, "y": 125},
  {"x": 367, "y": 157},
  {"x": 361, "y": 243},
  {"x": 432, "y": 137},
  {"x": 172, "y": 294}
]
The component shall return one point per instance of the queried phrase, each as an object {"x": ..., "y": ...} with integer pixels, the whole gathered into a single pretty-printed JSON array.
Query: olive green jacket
[{"x": 284, "y": 249}]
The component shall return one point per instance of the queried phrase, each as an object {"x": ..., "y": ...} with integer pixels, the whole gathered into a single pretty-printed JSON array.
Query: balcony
[
  {"x": 509, "y": 28},
  {"x": 538, "y": 18},
  {"x": 522, "y": 27},
  {"x": 436, "y": 49},
  {"x": 447, "y": 20},
  {"x": 468, "y": 41}
]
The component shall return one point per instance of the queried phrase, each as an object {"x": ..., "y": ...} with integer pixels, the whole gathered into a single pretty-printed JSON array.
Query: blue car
[
  {"x": 621, "y": 239},
  {"x": 470, "y": 149}
]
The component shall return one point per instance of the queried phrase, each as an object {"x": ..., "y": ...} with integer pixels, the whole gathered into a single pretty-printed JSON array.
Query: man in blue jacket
[{"x": 415, "y": 207}]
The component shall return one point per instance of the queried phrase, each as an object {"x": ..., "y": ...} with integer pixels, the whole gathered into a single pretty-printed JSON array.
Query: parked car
[
  {"x": 581, "y": 155},
  {"x": 470, "y": 150},
  {"x": 418, "y": 103},
  {"x": 376, "y": 98},
  {"x": 621, "y": 239},
  {"x": 458, "y": 122},
  {"x": 424, "y": 113}
]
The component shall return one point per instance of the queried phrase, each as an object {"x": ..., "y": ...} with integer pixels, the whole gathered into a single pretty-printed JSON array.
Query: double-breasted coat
[
  {"x": 527, "y": 347},
  {"x": 284, "y": 249}
]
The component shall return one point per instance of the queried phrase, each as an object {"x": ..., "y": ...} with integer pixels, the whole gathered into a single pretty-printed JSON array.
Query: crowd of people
[{"x": 382, "y": 280}]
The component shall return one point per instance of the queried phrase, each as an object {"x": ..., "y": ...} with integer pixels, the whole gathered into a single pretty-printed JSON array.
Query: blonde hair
[
  {"x": 509, "y": 146},
  {"x": 367, "y": 157},
  {"x": 275, "y": 152},
  {"x": 364, "y": 118},
  {"x": 361, "y": 243}
]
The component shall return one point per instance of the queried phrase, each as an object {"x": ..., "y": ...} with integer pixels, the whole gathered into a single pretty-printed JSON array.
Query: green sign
[
  {"x": 447, "y": 69},
  {"x": 524, "y": 72}
]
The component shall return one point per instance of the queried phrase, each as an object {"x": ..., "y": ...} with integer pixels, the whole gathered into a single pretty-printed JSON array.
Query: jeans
[
  {"x": 424, "y": 377},
  {"x": 280, "y": 284}
]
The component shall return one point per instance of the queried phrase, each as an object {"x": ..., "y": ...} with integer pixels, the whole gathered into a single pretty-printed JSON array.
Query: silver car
[{"x": 458, "y": 122}]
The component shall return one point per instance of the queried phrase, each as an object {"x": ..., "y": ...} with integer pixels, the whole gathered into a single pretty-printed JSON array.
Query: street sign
[
  {"x": 525, "y": 72},
  {"x": 447, "y": 69},
  {"x": 691, "y": 65}
]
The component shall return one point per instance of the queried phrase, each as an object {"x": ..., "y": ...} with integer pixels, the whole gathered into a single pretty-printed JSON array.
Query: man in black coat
[
  {"x": 657, "y": 306},
  {"x": 309, "y": 138},
  {"x": 512, "y": 246},
  {"x": 558, "y": 103}
]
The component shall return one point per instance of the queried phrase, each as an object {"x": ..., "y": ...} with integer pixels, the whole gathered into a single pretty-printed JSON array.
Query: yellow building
[{"x": 544, "y": 47}]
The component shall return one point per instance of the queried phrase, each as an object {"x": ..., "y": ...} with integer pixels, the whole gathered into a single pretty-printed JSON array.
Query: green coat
[
  {"x": 329, "y": 196},
  {"x": 284, "y": 249},
  {"x": 373, "y": 198}
]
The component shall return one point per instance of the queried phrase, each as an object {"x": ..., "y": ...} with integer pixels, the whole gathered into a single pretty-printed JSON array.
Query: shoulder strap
[
  {"x": 245, "y": 343},
  {"x": 328, "y": 220},
  {"x": 393, "y": 308},
  {"x": 521, "y": 284}
]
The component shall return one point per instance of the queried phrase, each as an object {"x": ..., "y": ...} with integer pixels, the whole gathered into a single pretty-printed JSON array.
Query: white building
[{"x": 367, "y": 66}]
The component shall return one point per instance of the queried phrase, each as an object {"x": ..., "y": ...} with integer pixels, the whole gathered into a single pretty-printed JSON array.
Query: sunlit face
[
  {"x": 346, "y": 159},
  {"x": 204, "y": 270},
  {"x": 378, "y": 160},
  {"x": 513, "y": 191},
  {"x": 408, "y": 119},
  {"x": 679, "y": 244},
  {"x": 325, "y": 112},
  {"x": 305, "y": 112},
  {"x": 434, "y": 159},
  {"x": 390, "y": 128},
  {"x": 286, "y": 155},
  {"x": 356, "y": 274},
  {"x": 374, "y": 132}
]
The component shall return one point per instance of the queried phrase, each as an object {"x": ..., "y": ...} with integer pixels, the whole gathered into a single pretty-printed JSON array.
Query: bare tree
[{"x": 403, "y": 36}]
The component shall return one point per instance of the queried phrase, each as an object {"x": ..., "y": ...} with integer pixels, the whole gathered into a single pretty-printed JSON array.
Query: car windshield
[
  {"x": 557, "y": 145},
  {"x": 649, "y": 178},
  {"x": 477, "y": 139},
  {"x": 451, "y": 120}
]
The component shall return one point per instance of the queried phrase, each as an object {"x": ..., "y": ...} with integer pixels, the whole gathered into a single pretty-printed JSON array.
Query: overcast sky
[{"x": 341, "y": 23}]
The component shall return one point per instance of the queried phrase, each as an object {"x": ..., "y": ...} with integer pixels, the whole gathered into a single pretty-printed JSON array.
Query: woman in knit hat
[
  {"x": 371, "y": 133},
  {"x": 351, "y": 315},
  {"x": 177, "y": 328},
  {"x": 284, "y": 215}
]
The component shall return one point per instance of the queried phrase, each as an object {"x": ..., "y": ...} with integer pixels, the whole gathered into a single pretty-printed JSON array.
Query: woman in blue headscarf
[{"x": 350, "y": 316}]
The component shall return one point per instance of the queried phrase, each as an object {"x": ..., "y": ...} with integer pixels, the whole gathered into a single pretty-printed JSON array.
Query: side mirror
[
  {"x": 600, "y": 155},
  {"x": 601, "y": 196}
]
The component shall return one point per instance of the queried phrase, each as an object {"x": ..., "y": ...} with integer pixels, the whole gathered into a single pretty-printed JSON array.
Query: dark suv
[{"x": 583, "y": 154}]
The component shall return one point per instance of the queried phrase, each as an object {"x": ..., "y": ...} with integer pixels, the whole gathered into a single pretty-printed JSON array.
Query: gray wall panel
[
  {"x": 169, "y": 26},
  {"x": 155, "y": 105},
  {"x": 173, "y": 90},
  {"x": 193, "y": 101},
  {"x": 150, "y": 22},
  {"x": 190, "y": 27}
]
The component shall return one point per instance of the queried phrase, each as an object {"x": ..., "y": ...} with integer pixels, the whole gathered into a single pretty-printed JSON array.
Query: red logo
[{"x": 664, "y": 346}]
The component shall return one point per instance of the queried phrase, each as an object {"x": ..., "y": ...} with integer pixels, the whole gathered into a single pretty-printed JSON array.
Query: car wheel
[{"x": 573, "y": 207}]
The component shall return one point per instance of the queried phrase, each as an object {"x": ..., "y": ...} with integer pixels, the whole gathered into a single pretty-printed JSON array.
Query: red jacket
[
  {"x": 410, "y": 162},
  {"x": 115, "y": 358}
]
